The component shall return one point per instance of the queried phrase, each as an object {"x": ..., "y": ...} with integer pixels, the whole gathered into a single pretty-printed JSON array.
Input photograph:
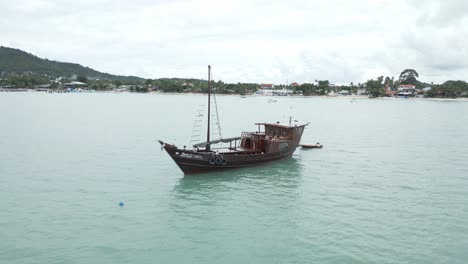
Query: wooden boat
[
  {"x": 276, "y": 141},
  {"x": 311, "y": 146}
]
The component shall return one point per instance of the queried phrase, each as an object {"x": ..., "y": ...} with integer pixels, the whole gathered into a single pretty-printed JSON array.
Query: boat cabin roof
[{"x": 283, "y": 125}]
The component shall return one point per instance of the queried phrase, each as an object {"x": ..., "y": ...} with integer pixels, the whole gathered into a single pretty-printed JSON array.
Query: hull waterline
[{"x": 191, "y": 162}]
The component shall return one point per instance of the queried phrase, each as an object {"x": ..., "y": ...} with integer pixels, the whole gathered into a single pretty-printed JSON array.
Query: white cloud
[{"x": 246, "y": 41}]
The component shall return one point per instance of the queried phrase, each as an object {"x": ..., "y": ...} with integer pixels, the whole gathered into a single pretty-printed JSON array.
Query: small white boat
[{"x": 318, "y": 145}]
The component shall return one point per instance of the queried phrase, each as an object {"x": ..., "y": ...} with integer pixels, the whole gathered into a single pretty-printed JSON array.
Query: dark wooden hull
[{"x": 192, "y": 162}]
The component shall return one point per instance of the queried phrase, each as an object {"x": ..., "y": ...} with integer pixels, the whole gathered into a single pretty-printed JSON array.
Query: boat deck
[{"x": 236, "y": 150}]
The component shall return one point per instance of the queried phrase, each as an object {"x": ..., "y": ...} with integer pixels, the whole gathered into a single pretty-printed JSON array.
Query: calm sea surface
[{"x": 389, "y": 186}]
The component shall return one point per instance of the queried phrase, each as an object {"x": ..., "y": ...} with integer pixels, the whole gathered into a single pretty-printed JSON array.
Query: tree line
[{"x": 374, "y": 87}]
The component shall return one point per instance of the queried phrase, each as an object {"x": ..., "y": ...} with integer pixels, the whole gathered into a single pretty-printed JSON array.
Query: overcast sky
[{"x": 246, "y": 40}]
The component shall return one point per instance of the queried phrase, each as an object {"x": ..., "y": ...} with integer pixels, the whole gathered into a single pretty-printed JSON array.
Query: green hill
[{"x": 15, "y": 61}]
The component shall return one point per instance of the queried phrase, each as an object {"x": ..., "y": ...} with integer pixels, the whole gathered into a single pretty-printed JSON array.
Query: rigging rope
[
  {"x": 217, "y": 115},
  {"x": 197, "y": 125}
]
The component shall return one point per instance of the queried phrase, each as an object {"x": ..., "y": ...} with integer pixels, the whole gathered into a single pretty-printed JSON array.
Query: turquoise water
[{"x": 389, "y": 186}]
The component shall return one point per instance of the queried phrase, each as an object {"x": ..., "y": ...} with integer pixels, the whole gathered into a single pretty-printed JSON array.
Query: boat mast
[{"x": 209, "y": 114}]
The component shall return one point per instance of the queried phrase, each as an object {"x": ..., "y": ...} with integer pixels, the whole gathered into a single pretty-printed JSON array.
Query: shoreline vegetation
[
  {"x": 373, "y": 88},
  {"x": 351, "y": 97},
  {"x": 22, "y": 71}
]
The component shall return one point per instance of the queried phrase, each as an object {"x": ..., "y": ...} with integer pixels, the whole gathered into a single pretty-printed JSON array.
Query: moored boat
[
  {"x": 318, "y": 145},
  {"x": 271, "y": 142}
]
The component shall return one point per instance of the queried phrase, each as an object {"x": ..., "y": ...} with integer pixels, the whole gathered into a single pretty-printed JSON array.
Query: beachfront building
[
  {"x": 269, "y": 89},
  {"x": 271, "y": 92},
  {"x": 334, "y": 87},
  {"x": 264, "y": 92},
  {"x": 283, "y": 92},
  {"x": 406, "y": 88},
  {"x": 266, "y": 86},
  {"x": 74, "y": 85},
  {"x": 361, "y": 92},
  {"x": 344, "y": 92}
]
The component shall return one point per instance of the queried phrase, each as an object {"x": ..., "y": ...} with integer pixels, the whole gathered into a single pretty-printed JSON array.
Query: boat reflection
[{"x": 285, "y": 173}]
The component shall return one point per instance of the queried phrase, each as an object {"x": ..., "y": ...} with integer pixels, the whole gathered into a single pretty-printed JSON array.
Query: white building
[
  {"x": 361, "y": 92},
  {"x": 344, "y": 92},
  {"x": 406, "y": 88}
]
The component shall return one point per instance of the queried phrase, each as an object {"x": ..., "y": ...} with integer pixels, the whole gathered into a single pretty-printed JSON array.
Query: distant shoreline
[{"x": 461, "y": 99}]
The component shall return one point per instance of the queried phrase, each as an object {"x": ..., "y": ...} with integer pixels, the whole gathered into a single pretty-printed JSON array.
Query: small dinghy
[{"x": 312, "y": 146}]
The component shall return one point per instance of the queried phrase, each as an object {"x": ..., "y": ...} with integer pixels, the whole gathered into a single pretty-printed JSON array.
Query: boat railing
[{"x": 246, "y": 134}]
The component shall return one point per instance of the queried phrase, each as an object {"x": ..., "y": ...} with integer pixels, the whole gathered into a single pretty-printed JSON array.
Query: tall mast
[{"x": 209, "y": 114}]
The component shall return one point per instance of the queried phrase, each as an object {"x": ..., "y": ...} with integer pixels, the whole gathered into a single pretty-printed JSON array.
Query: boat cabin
[{"x": 276, "y": 137}]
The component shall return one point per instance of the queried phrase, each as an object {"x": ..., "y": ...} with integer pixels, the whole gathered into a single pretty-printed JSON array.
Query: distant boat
[
  {"x": 272, "y": 101},
  {"x": 276, "y": 141}
]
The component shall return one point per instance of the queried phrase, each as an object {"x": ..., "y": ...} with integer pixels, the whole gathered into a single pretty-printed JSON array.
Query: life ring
[
  {"x": 218, "y": 160},
  {"x": 223, "y": 162},
  {"x": 212, "y": 161}
]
